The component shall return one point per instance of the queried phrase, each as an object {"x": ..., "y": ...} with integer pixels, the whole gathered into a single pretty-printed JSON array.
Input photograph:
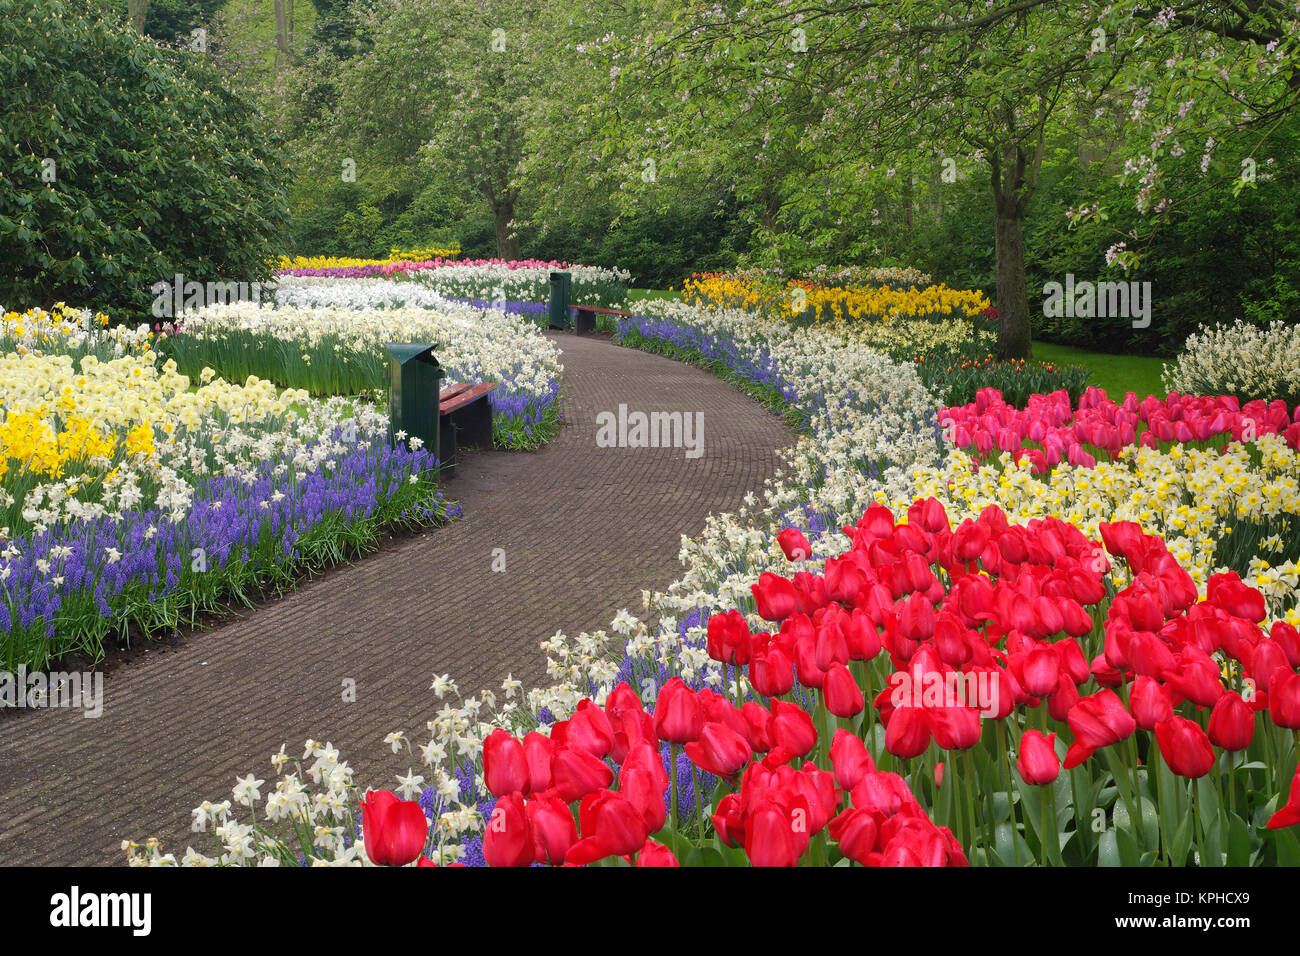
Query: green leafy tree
[
  {"x": 122, "y": 163},
  {"x": 984, "y": 84}
]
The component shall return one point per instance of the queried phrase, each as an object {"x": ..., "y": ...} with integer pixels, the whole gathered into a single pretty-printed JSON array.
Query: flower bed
[
  {"x": 135, "y": 497},
  {"x": 808, "y": 301},
  {"x": 1242, "y": 360},
  {"x": 318, "y": 263},
  {"x": 1086, "y": 625},
  {"x": 495, "y": 280},
  {"x": 339, "y": 350}
]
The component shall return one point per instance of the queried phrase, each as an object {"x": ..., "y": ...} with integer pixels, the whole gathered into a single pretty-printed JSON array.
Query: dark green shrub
[{"x": 123, "y": 163}]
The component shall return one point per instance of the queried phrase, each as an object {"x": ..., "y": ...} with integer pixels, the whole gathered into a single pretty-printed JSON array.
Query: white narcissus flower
[{"x": 246, "y": 790}]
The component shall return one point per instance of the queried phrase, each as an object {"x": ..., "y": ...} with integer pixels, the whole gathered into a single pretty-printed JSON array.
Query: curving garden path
[{"x": 584, "y": 530}]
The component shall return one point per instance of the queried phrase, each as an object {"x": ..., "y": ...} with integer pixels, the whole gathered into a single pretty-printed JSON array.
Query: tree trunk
[
  {"x": 1012, "y": 297},
  {"x": 283, "y": 33},
  {"x": 908, "y": 201},
  {"x": 507, "y": 241},
  {"x": 138, "y": 9}
]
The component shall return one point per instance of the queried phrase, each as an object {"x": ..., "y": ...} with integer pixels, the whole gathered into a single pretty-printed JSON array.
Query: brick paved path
[{"x": 583, "y": 528}]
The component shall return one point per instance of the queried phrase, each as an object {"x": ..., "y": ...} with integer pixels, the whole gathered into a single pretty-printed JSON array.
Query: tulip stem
[
  {"x": 672, "y": 785},
  {"x": 699, "y": 800},
  {"x": 1052, "y": 833},
  {"x": 969, "y": 821},
  {"x": 1006, "y": 787},
  {"x": 1043, "y": 831}
]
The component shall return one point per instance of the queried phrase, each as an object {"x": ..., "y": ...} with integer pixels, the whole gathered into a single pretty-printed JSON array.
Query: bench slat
[
  {"x": 596, "y": 308},
  {"x": 447, "y": 406}
]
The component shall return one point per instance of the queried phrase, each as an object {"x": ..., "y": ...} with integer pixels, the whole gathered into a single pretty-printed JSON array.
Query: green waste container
[
  {"x": 414, "y": 381},
  {"x": 559, "y": 311}
]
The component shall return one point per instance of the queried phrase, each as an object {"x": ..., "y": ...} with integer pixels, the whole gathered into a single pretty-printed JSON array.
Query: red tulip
[
  {"x": 1263, "y": 660},
  {"x": 577, "y": 773},
  {"x": 553, "y": 829},
  {"x": 776, "y": 834},
  {"x": 539, "y": 750},
  {"x": 1232, "y": 722},
  {"x": 1060, "y": 703},
  {"x": 655, "y": 854},
  {"x": 1185, "y": 747},
  {"x": 850, "y": 759},
  {"x": 805, "y": 663},
  {"x": 1195, "y": 676},
  {"x": 1097, "y": 721},
  {"x": 588, "y": 729},
  {"x": 1227, "y": 592},
  {"x": 877, "y": 521},
  {"x": 818, "y": 788},
  {"x": 771, "y": 671},
  {"x": 970, "y": 540},
  {"x": 1040, "y": 670},
  {"x": 719, "y": 750},
  {"x": 394, "y": 830},
  {"x": 954, "y": 727},
  {"x": 855, "y": 831},
  {"x": 793, "y": 732},
  {"x": 645, "y": 790},
  {"x": 1149, "y": 703},
  {"x": 794, "y": 544},
  {"x": 1287, "y": 638},
  {"x": 810, "y": 592},
  {"x": 678, "y": 717},
  {"x": 644, "y": 756},
  {"x": 842, "y": 693},
  {"x": 1284, "y": 700},
  {"x": 729, "y": 638},
  {"x": 929, "y": 514},
  {"x": 1149, "y": 655},
  {"x": 774, "y": 596},
  {"x": 916, "y": 618},
  {"x": 505, "y": 768},
  {"x": 758, "y": 721},
  {"x": 908, "y": 733},
  {"x": 728, "y": 823},
  {"x": 508, "y": 839},
  {"x": 612, "y": 826},
  {"x": 1038, "y": 763},
  {"x": 1289, "y": 814},
  {"x": 886, "y": 793}
]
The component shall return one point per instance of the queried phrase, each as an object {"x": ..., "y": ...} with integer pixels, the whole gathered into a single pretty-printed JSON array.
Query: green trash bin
[
  {"x": 414, "y": 381},
  {"x": 559, "y": 310}
]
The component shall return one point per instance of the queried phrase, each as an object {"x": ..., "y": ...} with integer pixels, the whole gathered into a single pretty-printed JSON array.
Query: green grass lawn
[
  {"x": 640, "y": 295},
  {"x": 1117, "y": 374}
]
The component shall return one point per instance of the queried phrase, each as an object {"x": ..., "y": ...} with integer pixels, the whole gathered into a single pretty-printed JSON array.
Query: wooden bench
[
  {"x": 464, "y": 417},
  {"x": 584, "y": 317}
]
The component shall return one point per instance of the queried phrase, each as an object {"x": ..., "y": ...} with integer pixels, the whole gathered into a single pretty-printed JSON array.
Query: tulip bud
[
  {"x": 1232, "y": 722},
  {"x": 794, "y": 545},
  {"x": 394, "y": 830},
  {"x": 678, "y": 716},
  {"x": 1038, "y": 764},
  {"x": 507, "y": 838},
  {"x": 1184, "y": 747},
  {"x": 842, "y": 694},
  {"x": 505, "y": 768}
]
